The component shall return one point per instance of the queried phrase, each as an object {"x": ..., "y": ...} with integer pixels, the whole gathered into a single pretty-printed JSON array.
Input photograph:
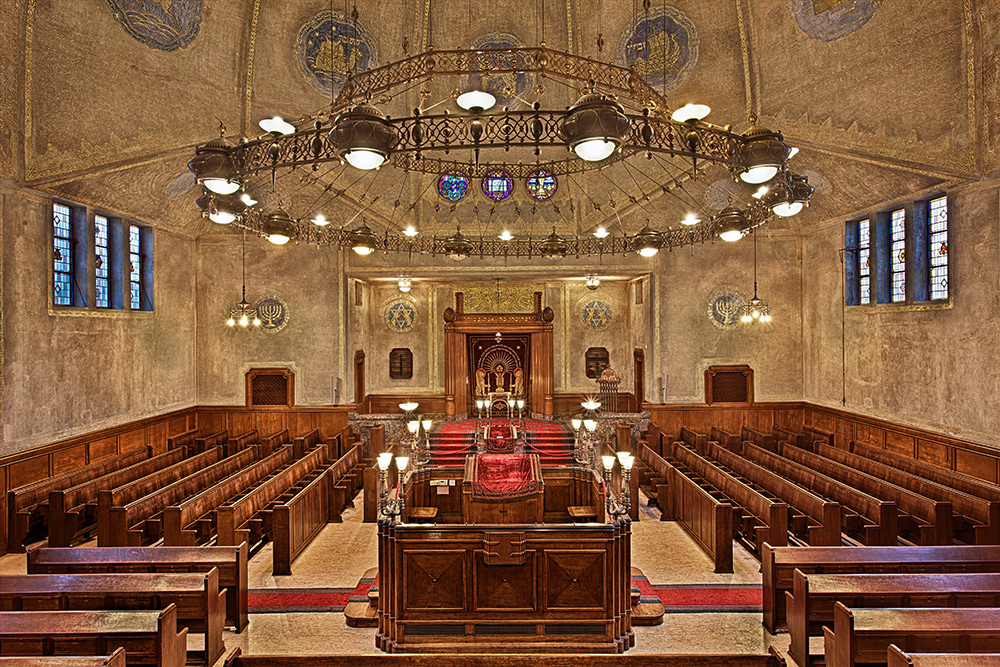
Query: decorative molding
[{"x": 251, "y": 48}]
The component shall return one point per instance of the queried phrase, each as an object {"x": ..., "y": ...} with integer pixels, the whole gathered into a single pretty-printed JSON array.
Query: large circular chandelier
[{"x": 617, "y": 117}]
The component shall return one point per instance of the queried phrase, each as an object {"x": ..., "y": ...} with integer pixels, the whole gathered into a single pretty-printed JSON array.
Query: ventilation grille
[
  {"x": 400, "y": 364},
  {"x": 597, "y": 360},
  {"x": 269, "y": 389},
  {"x": 729, "y": 384}
]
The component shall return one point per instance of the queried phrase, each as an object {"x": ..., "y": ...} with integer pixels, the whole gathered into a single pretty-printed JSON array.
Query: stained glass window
[
  {"x": 937, "y": 247},
  {"x": 541, "y": 185},
  {"x": 497, "y": 185},
  {"x": 864, "y": 262},
  {"x": 62, "y": 254},
  {"x": 897, "y": 254},
  {"x": 453, "y": 185},
  {"x": 102, "y": 262},
  {"x": 135, "y": 266}
]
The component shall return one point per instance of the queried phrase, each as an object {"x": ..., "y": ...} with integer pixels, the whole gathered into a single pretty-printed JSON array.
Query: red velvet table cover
[{"x": 504, "y": 476}]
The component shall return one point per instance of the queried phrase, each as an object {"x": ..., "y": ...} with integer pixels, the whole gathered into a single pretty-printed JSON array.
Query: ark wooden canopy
[{"x": 458, "y": 325}]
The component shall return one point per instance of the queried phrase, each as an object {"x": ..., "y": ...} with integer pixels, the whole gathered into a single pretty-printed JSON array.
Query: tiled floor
[{"x": 341, "y": 553}]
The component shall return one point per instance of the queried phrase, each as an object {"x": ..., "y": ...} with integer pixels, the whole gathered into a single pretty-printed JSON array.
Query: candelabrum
[
  {"x": 587, "y": 444},
  {"x": 619, "y": 507},
  {"x": 390, "y": 510}
]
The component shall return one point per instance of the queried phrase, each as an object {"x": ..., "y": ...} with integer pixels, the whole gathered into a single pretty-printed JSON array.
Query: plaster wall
[
  {"x": 70, "y": 370},
  {"x": 309, "y": 280},
  {"x": 934, "y": 368}
]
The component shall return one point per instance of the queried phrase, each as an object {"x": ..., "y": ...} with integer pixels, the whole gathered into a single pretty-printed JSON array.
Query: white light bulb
[
  {"x": 247, "y": 199},
  {"x": 755, "y": 314},
  {"x": 277, "y": 125},
  {"x": 244, "y": 321},
  {"x": 648, "y": 252},
  {"x": 221, "y": 186},
  {"x": 602, "y": 233},
  {"x": 595, "y": 150},
  {"x": 691, "y": 112},
  {"x": 278, "y": 239},
  {"x": 690, "y": 219},
  {"x": 363, "y": 250},
  {"x": 787, "y": 209},
  {"x": 230, "y": 322},
  {"x": 731, "y": 235},
  {"x": 505, "y": 235},
  {"x": 761, "y": 191},
  {"x": 792, "y": 152},
  {"x": 221, "y": 217},
  {"x": 759, "y": 174},
  {"x": 320, "y": 220},
  {"x": 256, "y": 321},
  {"x": 410, "y": 230},
  {"x": 364, "y": 159},
  {"x": 476, "y": 99}
]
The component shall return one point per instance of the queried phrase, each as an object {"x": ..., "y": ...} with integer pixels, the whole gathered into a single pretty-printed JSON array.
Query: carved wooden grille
[
  {"x": 597, "y": 361},
  {"x": 729, "y": 384},
  {"x": 269, "y": 387},
  {"x": 400, "y": 364}
]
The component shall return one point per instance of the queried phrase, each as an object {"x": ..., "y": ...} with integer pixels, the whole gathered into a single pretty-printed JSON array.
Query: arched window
[
  {"x": 597, "y": 361},
  {"x": 400, "y": 364}
]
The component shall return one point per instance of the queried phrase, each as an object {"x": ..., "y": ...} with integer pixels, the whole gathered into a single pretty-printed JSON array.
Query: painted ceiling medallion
[
  {"x": 828, "y": 20},
  {"x": 401, "y": 313},
  {"x": 724, "y": 308},
  {"x": 508, "y": 88},
  {"x": 662, "y": 44},
  {"x": 166, "y": 25},
  {"x": 273, "y": 314},
  {"x": 329, "y": 47}
]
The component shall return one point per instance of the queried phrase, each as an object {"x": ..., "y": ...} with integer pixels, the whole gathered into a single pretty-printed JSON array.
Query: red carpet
[
  {"x": 452, "y": 441},
  {"x": 676, "y": 598}
]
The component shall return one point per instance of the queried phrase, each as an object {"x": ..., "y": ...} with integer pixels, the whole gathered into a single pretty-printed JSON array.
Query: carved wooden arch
[{"x": 458, "y": 325}]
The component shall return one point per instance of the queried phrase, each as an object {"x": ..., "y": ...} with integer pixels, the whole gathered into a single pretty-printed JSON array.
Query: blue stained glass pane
[
  {"x": 62, "y": 254},
  {"x": 864, "y": 262},
  {"x": 497, "y": 185},
  {"x": 937, "y": 247},
  {"x": 135, "y": 267},
  {"x": 453, "y": 185},
  {"x": 102, "y": 258},
  {"x": 541, "y": 185},
  {"x": 897, "y": 251}
]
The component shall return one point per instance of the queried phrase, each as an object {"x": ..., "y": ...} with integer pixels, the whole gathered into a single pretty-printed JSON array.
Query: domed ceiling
[{"x": 109, "y": 99}]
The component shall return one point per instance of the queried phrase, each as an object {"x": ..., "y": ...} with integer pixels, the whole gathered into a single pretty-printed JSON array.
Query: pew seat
[
  {"x": 116, "y": 659},
  {"x": 864, "y": 635},
  {"x": 148, "y": 637},
  {"x": 899, "y": 658}
]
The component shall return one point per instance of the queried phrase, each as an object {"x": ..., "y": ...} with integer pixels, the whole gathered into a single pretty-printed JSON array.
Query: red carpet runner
[
  {"x": 452, "y": 441},
  {"x": 676, "y": 598}
]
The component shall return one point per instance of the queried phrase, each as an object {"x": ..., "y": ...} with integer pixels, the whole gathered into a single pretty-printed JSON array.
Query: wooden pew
[
  {"x": 819, "y": 435},
  {"x": 864, "y": 635},
  {"x": 27, "y": 506},
  {"x": 299, "y": 518},
  {"x": 897, "y": 658},
  {"x": 766, "y": 519},
  {"x": 241, "y": 442},
  {"x": 688, "y": 436},
  {"x": 239, "y": 520},
  {"x": 201, "y": 606},
  {"x": 304, "y": 443},
  {"x": 148, "y": 637},
  {"x": 272, "y": 443},
  {"x": 189, "y": 522},
  {"x": 759, "y": 438},
  {"x": 126, "y": 493},
  {"x": 73, "y": 511},
  {"x": 810, "y": 604},
  {"x": 978, "y": 517},
  {"x": 784, "y": 435},
  {"x": 231, "y": 563},
  {"x": 730, "y": 441},
  {"x": 185, "y": 439},
  {"x": 205, "y": 442},
  {"x": 778, "y": 564},
  {"x": 874, "y": 521},
  {"x": 140, "y": 522},
  {"x": 116, "y": 659},
  {"x": 704, "y": 515},
  {"x": 825, "y": 516},
  {"x": 932, "y": 521}
]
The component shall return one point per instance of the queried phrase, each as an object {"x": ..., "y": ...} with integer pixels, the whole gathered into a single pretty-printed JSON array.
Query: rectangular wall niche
[
  {"x": 270, "y": 387},
  {"x": 729, "y": 384}
]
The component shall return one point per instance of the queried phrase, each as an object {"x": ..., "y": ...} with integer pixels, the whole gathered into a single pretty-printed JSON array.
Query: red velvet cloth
[
  {"x": 501, "y": 438},
  {"x": 504, "y": 476}
]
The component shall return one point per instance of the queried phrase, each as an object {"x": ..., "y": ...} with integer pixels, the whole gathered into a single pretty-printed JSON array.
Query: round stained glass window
[
  {"x": 497, "y": 185},
  {"x": 453, "y": 185},
  {"x": 541, "y": 185}
]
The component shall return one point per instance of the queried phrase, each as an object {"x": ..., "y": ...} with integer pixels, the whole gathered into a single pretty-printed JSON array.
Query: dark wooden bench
[
  {"x": 140, "y": 522},
  {"x": 691, "y": 438},
  {"x": 189, "y": 523},
  {"x": 126, "y": 493},
  {"x": 27, "y": 506},
  {"x": 73, "y": 511},
  {"x": 116, "y": 659},
  {"x": 185, "y": 439},
  {"x": 201, "y": 606},
  {"x": 977, "y": 520},
  {"x": 817, "y": 521},
  {"x": 928, "y": 522},
  {"x": 779, "y": 563},
  {"x": 304, "y": 443},
  {"x": 819, "y": 435},
  {"x": 899, "y": 658},
  {"x": 148, "y": 637},
  {"x": 872, "y": 521},
  {"x": 786, "y": 435},
  {"x": 241, "y": 442},
  {"x": 761, "y": 520},
  {"x": 730, "y": 441},
  {"x": 205, "y": 442},
  {"x": 810, "y": 604},
  {"x": 704, "y": 513},
  {"x": 297, "y": 519},
  {"x": 864, "y": 635},
  {"x": 272, "y": 443},
  {"x": 231, "y": 563},
  {"x": 759, "y": 438}
]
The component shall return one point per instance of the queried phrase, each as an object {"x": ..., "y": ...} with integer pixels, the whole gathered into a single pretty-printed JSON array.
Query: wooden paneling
[
  {"x": 29, "y": 470},
  {"x": 976, "y": 465},
  {"x": 899, "y": 443},
  {"x": 934, "y": 453},
  {"x": 70, "y": 458}
]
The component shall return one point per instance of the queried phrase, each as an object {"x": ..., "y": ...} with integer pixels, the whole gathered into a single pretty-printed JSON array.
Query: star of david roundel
[
  {"x": 596, "y": 314},
  {"x": 724, "y": 307},
  {"x": 330, "y": 46},
  {"x": 273, "y": 314},
  {"x": 401, "y": 315}
]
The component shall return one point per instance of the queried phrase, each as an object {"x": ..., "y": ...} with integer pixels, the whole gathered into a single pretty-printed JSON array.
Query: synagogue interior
[{"x": 499, "y": 333}]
